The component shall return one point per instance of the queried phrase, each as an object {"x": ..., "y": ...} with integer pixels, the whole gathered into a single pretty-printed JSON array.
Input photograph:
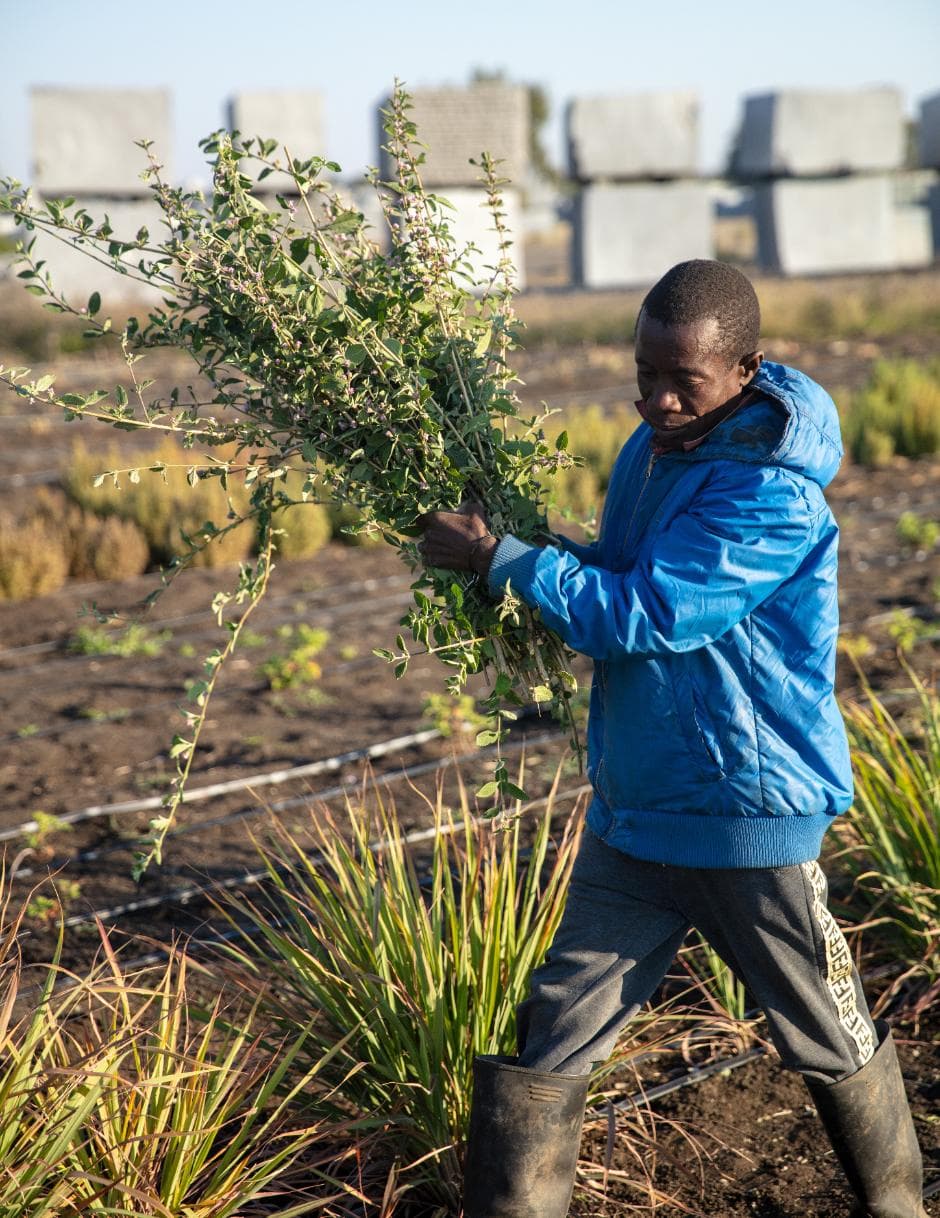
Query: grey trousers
[{"x": 623, "y": 924}]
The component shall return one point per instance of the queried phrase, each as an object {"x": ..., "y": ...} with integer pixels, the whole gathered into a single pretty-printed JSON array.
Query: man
[{"x": 716, "y": 751}]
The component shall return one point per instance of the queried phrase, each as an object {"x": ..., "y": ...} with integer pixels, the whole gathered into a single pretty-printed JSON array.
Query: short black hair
[{"x": 700, "y": 289}]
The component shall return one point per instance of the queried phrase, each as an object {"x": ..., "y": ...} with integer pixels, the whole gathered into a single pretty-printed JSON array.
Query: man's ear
[{"x": 749, "y": 366}]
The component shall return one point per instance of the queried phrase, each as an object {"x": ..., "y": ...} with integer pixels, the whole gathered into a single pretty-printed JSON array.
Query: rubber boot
[
  {"x": 522, "y": 1149},
  {"x": 872, "y": 1132}
]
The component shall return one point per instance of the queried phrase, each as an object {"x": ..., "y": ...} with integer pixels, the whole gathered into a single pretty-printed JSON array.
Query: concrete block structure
[
  {"x": 629, "y": 234},
  {"x": 84, "y": 139},
  {"x": 471, "y": 223},
  {"x": 913, "y": 237},
  {"x": 457, "y": 124},
  {"x": 928, "y": 132},
  {"x": 814, "y": 133},
  {"x": 827, "y": 226},
  {"x": 76, "y": 276},
  {"x": 633, "y": 135},
  {"x": 292, "y": 117}
]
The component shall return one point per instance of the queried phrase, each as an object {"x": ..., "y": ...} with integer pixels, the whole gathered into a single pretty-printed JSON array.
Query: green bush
[
  {"x": 896, "y": 414},
  {"x": 164, "y": 505}
]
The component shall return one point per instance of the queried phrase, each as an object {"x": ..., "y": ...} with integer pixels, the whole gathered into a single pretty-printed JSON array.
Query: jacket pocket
[{"x": 695, "y": 720}]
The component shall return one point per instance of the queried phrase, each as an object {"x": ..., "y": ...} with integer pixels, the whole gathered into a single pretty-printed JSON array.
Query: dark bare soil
[
  {"x": 747, "y": 1143},
  {"x": 79, "y": 732}
]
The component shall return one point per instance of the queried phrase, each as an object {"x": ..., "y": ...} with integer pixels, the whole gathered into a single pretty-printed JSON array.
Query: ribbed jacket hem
[{"x": 682, "y": 839}]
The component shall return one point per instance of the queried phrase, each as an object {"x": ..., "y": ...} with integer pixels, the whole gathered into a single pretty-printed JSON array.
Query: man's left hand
[{"x": 458, "y": 541}]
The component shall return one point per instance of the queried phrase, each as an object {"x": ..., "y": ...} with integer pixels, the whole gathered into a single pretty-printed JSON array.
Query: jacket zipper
[{"x": 636, "y": 507}]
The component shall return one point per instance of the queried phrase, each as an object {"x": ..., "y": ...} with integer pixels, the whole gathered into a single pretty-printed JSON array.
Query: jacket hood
[{"x": 793, "y": 423}]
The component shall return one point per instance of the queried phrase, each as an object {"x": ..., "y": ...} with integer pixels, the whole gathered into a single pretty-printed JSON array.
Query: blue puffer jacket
[{"x": 709, "y": 606}]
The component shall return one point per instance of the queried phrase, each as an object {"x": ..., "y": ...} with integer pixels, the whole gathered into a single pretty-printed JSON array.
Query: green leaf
[
  {"x": 356, "y": 354},
  {"x": 300, "y": 248},
  {"x": 487, "y": 736},
  {"x": 44, "y": 382},
  {"x": 561, "y": 443},
  {"x": 541, "y": 693},
  {"x": 94, "y": 303},
  {"x": 488, "y": 790}
]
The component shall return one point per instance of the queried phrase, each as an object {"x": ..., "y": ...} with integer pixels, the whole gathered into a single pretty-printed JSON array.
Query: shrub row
[
  {"x": 896, "y": 414},
  {"x": 120, "y": 528},
  {"x": 117, "y": 531}
]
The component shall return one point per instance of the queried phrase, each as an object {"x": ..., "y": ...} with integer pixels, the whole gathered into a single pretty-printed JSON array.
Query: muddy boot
[
  {"x": 871, "y": 1129},
  {"x": 522, "y": 1150}
]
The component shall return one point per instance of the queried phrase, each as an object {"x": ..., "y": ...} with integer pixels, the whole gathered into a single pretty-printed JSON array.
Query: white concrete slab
[
  {"x": 631, "y": 233},
  {"x": 471, "y": 224},
  {"x": 76, "y": 275},
  {"x": 813, "y": 132},
  {"x": 633, "y": 135},
  {"x": 457, "y": 124},
  {"x": 292, "y": 117},
  {"x": 84, "y": 139},
  {"x": 826, "y": 226}
]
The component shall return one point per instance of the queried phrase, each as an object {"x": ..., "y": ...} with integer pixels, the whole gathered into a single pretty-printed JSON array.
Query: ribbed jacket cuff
[{"x": 513, "y": 560}]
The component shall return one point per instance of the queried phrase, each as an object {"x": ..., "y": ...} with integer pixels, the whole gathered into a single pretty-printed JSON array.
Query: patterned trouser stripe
[{"x": 839, "y": 978}]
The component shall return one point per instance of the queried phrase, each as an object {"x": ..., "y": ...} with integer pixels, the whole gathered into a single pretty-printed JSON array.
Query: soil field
[
  {"x": 80, "y": 734},
  {"x": 744, "y": 1143}
]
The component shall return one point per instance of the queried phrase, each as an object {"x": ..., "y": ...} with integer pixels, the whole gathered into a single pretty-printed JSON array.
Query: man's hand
[{"x": 458, "y": 541}]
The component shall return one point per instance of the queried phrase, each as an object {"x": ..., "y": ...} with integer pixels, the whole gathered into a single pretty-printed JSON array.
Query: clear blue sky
[{"x": 204, "y": 50}]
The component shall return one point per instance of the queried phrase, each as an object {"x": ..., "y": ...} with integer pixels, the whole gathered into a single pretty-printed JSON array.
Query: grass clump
[
  {"x": 893, "y": 831},
  {"x": 414, "y": 962},
  {"x": 120, "y": 1094},
  {"x": 918, "y": 532},
  {"x": 298, "y": 666},
  {"x": 134, "y": 640},
  {"x": 896, "y": 414}
]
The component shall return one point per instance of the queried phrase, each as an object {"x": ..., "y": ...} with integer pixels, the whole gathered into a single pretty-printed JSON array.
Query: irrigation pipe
[
  {"x": 297, "y": 801},
  {"x": 183, "y": 896},
  {"x": 266, "y": 779},
  {"x": 312, "y": 599},
  {"x": 697, "y": 1074}
]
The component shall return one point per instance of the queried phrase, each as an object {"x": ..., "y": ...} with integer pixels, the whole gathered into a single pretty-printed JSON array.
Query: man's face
[{"x": 681, "y": 378}]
